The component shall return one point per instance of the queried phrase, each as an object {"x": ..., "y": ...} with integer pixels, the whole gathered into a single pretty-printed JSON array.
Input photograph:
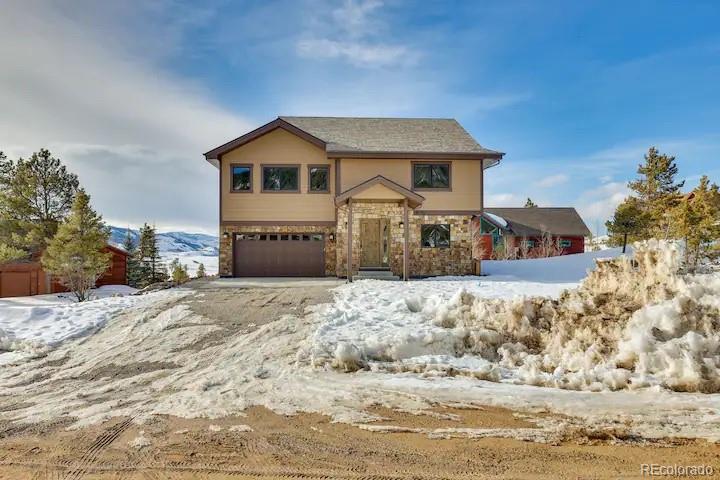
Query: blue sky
[{"x": 130, "y": 94}]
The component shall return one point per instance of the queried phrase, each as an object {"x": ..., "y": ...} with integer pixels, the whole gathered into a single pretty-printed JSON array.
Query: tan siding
[
  {"x": 465, "y": 194},
  {"x": 380, "y": 192},
  {"x": 356, "y": 170},
  {"x": 280, "y": 147}
]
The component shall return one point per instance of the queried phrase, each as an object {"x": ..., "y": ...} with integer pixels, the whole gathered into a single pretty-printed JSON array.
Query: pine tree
[
  {"x": 200, "y": 271},
  {"x": 35, "y": 196},
  {"x": 630, "y": 222},
  {"x": 529, "y": 203},
  {"x": 75, "y": 253},
  {"x": 10, "y": 254},
  {"x": 150, "y": 266},
  {"x": 178, "y": 272},
  {"x": 657, "y": 192},
  {"x": 133, "y": 266},
  {"x": 696, "y": 220}
]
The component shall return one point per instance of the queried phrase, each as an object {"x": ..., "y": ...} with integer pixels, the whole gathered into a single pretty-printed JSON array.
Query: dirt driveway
[
  {"x": 265, "y": 445},
  {"x": 262, "y": 444}
]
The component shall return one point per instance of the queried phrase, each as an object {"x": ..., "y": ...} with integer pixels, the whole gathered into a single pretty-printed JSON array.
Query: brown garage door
[{"x": 279, "y": 255}]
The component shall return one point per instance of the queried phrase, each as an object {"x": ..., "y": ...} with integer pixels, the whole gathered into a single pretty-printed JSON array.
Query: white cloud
[
  {"x": 134, "y": 134},
  {"x": 503, "y": 200},
  {"x": 360, "y": 54},
  {"x": 597, "y": 205},
  {"x": 552, "y": 180},
  {"x": 350, "y": 33},
  {"x": 355, "y": 17}
]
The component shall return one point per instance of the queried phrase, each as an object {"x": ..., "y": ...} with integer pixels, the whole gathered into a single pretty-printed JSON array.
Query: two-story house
[{"x": 317, "y": 196}]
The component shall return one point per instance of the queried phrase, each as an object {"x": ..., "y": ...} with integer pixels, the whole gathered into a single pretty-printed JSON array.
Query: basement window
[{"x": 435, "y": 236}]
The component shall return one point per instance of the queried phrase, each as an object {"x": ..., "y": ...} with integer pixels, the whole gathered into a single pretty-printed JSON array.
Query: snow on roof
[{"x": 496, "y": 219}]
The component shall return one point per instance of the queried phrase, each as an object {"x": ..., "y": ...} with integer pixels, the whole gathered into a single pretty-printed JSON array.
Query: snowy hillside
[{"x": 190, "y": 248}]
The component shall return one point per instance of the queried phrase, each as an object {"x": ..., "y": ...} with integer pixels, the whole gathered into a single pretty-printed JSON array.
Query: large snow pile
[
  {"x": 31, "y": 325},
  {"x": 634, "y": 322}
]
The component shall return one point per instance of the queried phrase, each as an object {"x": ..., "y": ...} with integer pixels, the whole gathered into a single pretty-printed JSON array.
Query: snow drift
[{"x": 632, "y": 323}]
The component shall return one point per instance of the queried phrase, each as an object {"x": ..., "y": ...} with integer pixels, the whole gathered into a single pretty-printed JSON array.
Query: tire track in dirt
[{"x": 101, "y": 442}]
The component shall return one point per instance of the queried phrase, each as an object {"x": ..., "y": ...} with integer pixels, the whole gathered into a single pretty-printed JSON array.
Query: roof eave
[{"x": 405, "y": 154}]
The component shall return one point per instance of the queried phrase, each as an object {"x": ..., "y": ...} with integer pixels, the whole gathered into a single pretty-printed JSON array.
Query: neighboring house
[
  {"x": 518, "y": 225},
  {"x": 315, "y": 196},
  {"x": 20, "y": 279}
]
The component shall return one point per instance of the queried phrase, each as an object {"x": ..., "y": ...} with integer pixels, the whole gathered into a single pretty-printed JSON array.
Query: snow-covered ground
[
  {"x": 31, "y": 325},
  {"x": 192, "y": 261},
  {"x": 562, "y": 269}
]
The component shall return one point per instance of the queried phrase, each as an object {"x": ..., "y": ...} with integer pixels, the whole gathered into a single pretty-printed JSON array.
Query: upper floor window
[
  {"x": 435, "y": 236},
  {"x": 319, "y": 178},
  {"x": 431, "y": 176},
  {"x": 241, "y": 178},
  {"x": 281, "y": 178}
]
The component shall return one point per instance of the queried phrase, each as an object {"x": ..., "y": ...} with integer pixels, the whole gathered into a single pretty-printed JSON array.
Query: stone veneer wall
[
  {"x": 454, "y": 260},
  {"x": 392, "y": 211},
  {"x": 225, "y": 266}
]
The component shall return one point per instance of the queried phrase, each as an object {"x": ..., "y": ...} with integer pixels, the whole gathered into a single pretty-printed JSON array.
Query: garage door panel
[{"x": 279, "y": 255}]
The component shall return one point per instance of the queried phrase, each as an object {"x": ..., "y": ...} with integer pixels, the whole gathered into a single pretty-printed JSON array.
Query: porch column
[
  {"x": 406, "y": 240},
  {"x": 482, "y": 207},
  {"x": 349, "y": 240}
]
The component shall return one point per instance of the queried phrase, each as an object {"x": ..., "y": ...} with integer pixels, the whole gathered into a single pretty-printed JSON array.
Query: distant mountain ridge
[{"x": 172, "y": 242}]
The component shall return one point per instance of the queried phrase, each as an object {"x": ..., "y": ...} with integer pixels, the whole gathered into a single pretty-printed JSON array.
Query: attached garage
[{"x": 279, "y": 255}]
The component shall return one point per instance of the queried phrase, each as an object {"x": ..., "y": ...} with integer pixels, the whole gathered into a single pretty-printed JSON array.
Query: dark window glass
[
  {"x": 272, "y": 237},
  {"x": 306, "y": 238},
  {"x": 296, "y": 237},
  {"x": 431, "y": 175},
  {"x": 319, "y": 179},
  {"x": 280, "y": 179},
  {"x": 263, "y": 237},
  {"x": 241, "y": 179},
  {"x": 284, "y": 237},
  {"x": 565, "y": 243},
  {"x": 435, "y": 236}
]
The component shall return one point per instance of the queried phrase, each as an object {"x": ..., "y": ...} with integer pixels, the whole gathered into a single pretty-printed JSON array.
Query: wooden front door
[{"x": 370, "y": 244}]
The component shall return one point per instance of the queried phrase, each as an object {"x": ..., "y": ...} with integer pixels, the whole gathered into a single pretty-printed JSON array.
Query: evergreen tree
[
  {"x": 75, "y": 254},
  {"x": 201, "y": 271},
  {"x": 35, "y": 196},
  {"x": 657, "y": 191},
  {"x": 133, "y": 266},
  {"x": 630, "y": 222},
  {"x": 10, "y": 254},
  {"x": 696, "y": 220},
  {"x": 178, "y": 272},
  {"x": 529, "y": 203},
  {"x": 151, "y": 269}
]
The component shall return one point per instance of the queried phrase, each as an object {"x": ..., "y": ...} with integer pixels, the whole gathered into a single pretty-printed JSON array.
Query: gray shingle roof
[
  {"x": 353, "y": 134},
  {"x": 536, "y": 220}
]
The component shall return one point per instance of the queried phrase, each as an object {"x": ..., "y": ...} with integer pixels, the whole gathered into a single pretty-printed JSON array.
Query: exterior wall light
[
  {"x": 226, "y": 235},
  {"x": 332, "y": 237},
  {"x": 402, "y": 224}
]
